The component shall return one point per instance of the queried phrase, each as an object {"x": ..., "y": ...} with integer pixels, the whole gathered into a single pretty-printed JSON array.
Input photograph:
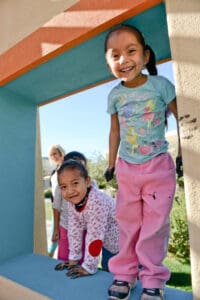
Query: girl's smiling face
[
  {"x": 73, "y": 186},
  {"x": 126, "y": 57}
]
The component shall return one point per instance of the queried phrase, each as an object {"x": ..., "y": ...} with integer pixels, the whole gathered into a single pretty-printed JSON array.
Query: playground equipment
[{"x": 60, "y": 58}]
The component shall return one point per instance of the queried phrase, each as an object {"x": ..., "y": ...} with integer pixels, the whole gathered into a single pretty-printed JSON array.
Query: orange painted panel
[{"x": 77, "y": 24}]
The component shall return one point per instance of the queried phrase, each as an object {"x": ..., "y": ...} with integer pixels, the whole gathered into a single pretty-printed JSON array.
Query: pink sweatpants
[
  {"x": 144, "y": 200},
  {"x": 63, "y": 245}
]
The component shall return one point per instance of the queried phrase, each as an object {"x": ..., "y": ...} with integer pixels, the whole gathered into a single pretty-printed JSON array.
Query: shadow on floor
[{"x": 179, "y": 280}]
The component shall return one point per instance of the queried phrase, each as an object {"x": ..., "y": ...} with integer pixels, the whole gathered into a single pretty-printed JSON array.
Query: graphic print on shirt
[{"x": 141, "y": 114}]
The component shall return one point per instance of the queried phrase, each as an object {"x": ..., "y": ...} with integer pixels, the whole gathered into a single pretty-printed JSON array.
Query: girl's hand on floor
[
  {"x": 77, "y": 271},
  {"x": 66, "y": 265},
  {"x": 62, "y": 266}
]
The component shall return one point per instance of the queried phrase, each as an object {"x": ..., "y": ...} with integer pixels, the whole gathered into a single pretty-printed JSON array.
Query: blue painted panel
[
  {"x": 85, "y": 64},
  {"x": 37, "y": 273},
  {"x": 17, "y": 139}
]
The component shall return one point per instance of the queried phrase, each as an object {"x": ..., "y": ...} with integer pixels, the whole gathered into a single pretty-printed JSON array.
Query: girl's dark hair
[
  {"x": 72, "y": 164},
  {"x": 76, "y": 156},
  {"x": 151, "y": 65}
]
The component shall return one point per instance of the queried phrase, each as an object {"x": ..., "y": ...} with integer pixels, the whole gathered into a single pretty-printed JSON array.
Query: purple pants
[{"x": 144, "y": 200}]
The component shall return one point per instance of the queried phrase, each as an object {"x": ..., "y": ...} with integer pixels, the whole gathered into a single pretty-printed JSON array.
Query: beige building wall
[
  {"x": 22, "y": 17},
  {"x": 40, "y": 235},
  {"x": 184, "y": 32}
]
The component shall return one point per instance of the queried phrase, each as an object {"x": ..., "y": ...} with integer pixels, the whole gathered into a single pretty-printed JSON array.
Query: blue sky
[{"x": 80, "y": 122}]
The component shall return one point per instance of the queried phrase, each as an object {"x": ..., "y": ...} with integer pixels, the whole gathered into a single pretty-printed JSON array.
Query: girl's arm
[
  {"x": 173, "y": 108},
  {"x": 114, "y": 139},
  {"x": 179, "y": 165},
  {"x": 56, "y": 218},
  {"x": 75, "y": 234},
  {"x": 57, "y": 202},
  {"x": 97, "y": 218}
]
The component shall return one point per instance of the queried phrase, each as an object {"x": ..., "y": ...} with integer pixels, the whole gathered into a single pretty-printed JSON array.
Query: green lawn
[
  {"x": 180, "y": 274},
  {"x": 48, "y": 209}
]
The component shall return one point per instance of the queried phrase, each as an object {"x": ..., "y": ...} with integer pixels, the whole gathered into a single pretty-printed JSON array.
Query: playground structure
[{"x": 59, "y": 54}]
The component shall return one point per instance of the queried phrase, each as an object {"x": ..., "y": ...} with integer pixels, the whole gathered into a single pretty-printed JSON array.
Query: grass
[
  {"x": 48, "y": 209},
  {"x": 180, "y": 273}
]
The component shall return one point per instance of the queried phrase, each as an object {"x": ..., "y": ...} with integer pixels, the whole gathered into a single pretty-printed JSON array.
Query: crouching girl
[{"x": 90, "y": 210}]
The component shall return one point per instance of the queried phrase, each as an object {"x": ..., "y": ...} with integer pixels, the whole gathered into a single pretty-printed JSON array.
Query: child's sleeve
[
  {"x": 167, "y": 90},
  {"x": 75, "y": 234},
  {"x": 96, "y": 226},
  {"x": 57, "y": 198},
  {"x": 111, "y": 105}
]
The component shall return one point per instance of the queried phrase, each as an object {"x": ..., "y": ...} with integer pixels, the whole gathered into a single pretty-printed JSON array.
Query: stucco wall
[
  {"x": 20, "y": 18},
  {"x": 184, "y": 31},
  {"x": 40, "y": 236}
]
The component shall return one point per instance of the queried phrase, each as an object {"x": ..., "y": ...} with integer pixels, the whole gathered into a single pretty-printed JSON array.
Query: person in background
[
  {"x": 89, "y": 210},
  {"x": 145, "y": 170},
  {"x": 56, "y": 156}
]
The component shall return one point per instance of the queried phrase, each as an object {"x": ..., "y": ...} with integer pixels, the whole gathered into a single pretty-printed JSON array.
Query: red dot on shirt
[{"x": 95, "y": 248}]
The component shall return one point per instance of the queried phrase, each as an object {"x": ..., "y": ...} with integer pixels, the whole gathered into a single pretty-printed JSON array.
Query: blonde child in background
[
  {"x": 89, "y": 210},
  {"x": 145, "y": 170},
  {"x": 56, "y": 156}
]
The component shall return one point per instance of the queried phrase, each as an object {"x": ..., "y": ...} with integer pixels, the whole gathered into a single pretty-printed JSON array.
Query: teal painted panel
[
  {"x": 37, "y": 273},
  {"x": 85, "y": 64},
  {"x": 17, "y": 139}
]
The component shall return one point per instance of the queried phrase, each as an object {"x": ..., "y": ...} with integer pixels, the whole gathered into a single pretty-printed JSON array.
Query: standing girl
[
  {"x": 145, "y": 171},
  {"x": 56, "y": 156}
]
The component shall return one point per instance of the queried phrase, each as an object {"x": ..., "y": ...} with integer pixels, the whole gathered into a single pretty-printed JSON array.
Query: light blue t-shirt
[{"x": 141, "y": 114}]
